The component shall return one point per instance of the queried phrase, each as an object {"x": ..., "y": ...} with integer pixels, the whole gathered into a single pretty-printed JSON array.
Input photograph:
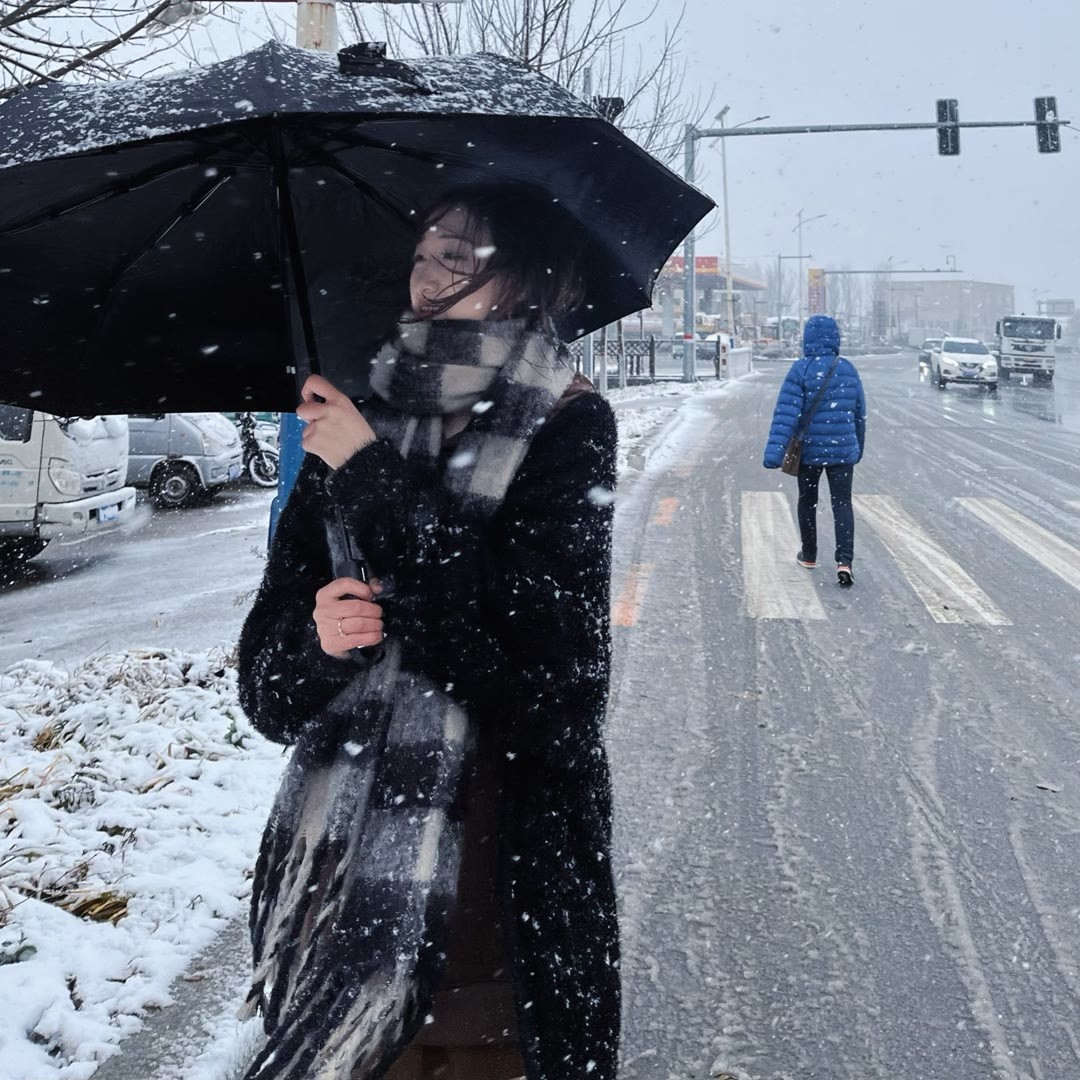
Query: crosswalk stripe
[
  {"x": 1032, "y": 539},
  {"x": 950, "y": 595},
  {"x": 775, "y": 586}
]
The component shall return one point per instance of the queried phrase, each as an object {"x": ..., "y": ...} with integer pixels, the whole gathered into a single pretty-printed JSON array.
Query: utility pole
[
  {"x": 690, "y": 277},
  {"x": 727, "y": 216},
  {"x": 727, "y": 229},
  {"x": 316, "y": 25}
]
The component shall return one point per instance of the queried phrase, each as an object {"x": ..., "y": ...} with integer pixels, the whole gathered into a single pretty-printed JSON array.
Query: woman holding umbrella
[{"x": 478, "y": 483}]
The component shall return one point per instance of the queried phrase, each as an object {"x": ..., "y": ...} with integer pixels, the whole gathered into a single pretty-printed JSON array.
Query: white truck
[
  {"x": 1025, "y": 345},
  {"x": 59, "y": 477}
]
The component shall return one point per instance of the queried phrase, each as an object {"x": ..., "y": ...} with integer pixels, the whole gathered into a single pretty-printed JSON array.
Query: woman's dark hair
[{"x": 537, "y": 248}]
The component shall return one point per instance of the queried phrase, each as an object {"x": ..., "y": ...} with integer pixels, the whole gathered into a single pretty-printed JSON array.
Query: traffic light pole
[
  {"x": 1048, "y": 135},
  {"x": 690, "y": 259},
  {"x": 825, "y": 129}
]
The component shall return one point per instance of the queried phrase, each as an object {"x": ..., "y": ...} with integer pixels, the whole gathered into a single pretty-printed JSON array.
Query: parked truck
[
  {"x": 59, "y": 477},
  {"x": 1025, "y": 345}
]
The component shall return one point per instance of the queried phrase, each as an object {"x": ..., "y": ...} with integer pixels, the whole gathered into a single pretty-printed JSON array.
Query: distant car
[
  {"x": 963, "y": 360},
  {"x": 928, "y": 346}
]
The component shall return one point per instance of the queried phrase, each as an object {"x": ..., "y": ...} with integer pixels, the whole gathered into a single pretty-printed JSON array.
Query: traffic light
[
  {"x": 948, "y": 138},
  {"x": 1047, "y": 132}
]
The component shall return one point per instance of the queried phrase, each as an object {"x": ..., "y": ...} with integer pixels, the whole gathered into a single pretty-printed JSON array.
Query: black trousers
[{"x": 840, "y": 477}]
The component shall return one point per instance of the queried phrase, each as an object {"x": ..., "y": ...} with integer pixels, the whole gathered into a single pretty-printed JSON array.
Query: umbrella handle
[{"x": 349, "y": 562}]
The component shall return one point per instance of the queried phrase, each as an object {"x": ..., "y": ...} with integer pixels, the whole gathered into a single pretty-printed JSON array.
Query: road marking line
[
  {"x": 627, "y": 607},
  {"x": 775, "y": 586},
  {"x": 949, "y": 593},
  {"x": 686, "y": 469},
  {"x": 1041, "y": 544},
  {"x": 665, "y": 512}
]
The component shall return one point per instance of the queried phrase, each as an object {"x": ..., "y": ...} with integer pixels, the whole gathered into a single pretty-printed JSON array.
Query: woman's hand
[
  {"x": 334, "y": 429},
  {"x": 347, "y": 617}
]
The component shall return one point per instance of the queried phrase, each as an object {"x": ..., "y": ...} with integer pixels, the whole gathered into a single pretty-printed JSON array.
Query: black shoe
[
  {"x": 844, "y": 577},
  {"x": 802, "y": 560}
]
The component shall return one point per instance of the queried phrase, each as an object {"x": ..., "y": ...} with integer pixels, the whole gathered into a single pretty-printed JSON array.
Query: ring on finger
[{"x": 341, "y": 633}]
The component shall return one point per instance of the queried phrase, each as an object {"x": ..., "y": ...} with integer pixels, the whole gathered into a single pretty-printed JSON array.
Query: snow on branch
[
  {"x": 611, "y": 44},
  {"x": 89, "y": 40}
]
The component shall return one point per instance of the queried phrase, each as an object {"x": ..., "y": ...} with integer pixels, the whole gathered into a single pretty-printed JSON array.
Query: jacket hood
[{"x": 821, "y": 336}]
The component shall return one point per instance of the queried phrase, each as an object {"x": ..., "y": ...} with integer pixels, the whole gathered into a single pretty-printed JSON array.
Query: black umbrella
[{"x": 200, "y": 241}]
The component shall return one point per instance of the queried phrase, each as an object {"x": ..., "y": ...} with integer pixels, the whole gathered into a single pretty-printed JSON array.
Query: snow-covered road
[
  {"x": 848, "y": 822},
  {"x": 173, "y": 580}
]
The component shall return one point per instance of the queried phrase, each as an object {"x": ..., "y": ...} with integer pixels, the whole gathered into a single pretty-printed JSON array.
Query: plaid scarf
[
  {"x": 508, "y": 375},
  {"x": 357, "y": 874}
]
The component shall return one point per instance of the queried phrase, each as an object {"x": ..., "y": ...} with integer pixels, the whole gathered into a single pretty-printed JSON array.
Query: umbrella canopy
[{"x": 200, "y": 241}]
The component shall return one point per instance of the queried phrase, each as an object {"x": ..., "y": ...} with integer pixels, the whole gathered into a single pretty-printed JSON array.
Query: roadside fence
[{"x": 640, "y": 361}]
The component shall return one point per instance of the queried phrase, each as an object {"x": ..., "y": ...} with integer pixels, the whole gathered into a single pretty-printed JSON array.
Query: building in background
[{"x": 920, "y": 309}]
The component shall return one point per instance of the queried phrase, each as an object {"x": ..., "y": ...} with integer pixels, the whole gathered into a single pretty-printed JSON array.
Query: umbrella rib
[
  {"x": 348, "y": 136},
  {"x": 357, "y": 181},
  {"x": 108, "y": 290},
  {"x": 52, "y": 213}
]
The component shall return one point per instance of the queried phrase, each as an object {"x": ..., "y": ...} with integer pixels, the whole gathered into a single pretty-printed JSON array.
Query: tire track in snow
[
  {"x": 945, "y": 907},
  {"x": 939, "y": 845},
  {"x": 851, "y": 967}
]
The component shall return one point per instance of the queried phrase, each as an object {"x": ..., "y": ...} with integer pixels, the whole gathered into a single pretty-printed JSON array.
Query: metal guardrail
[{"x": 640, "y": 361}]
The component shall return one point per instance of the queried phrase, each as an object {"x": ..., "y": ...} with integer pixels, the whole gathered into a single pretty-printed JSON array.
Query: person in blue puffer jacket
[{"x": 832, "y": 439}]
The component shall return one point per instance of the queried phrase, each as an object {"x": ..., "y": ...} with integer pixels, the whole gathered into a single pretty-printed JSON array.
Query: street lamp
[
  {"x": 690, "y": 267},
  {"x": 727, "y": 217},
  {"x": 798, "y": 228}
]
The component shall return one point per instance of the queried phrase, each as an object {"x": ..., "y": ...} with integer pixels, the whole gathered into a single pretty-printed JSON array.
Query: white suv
[{"x": 963, "y": 360}]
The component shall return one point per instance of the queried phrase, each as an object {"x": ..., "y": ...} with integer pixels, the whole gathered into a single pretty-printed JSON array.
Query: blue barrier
[{"x": 291, "y": 457}]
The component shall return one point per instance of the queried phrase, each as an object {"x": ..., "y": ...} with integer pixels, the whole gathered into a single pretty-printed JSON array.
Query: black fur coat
[{"x": 512, "y": 616}]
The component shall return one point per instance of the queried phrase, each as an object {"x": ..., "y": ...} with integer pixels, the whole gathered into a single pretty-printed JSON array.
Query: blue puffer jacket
[{"x": 837, "y": 431}]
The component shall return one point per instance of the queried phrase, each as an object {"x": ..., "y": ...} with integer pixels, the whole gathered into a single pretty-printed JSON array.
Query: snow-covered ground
[
  {"x": 132, "y": 799},
  {"x": 133, "y": 794},
  {"x": 642, "y": 411}
]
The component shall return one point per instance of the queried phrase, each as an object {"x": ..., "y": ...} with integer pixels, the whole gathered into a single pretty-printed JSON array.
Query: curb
[
  {"x": 638, "y": 460},
  {"x": 173, "y": 1036}
]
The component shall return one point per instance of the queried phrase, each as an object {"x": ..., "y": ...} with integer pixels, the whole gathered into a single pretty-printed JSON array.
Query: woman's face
[{"x": 450, "y": 253}]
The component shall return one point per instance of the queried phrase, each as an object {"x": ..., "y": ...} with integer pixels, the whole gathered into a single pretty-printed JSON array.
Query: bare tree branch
[
  {"x": 563, "y": 39},
  {"x": 47, "y": 40}
]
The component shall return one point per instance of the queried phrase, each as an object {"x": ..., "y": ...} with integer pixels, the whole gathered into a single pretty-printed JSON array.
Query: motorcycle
[{"x": 260, "y": 458}]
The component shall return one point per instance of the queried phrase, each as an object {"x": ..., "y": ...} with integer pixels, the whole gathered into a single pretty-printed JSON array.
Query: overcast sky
[{"x": 1006, "y": 212}]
